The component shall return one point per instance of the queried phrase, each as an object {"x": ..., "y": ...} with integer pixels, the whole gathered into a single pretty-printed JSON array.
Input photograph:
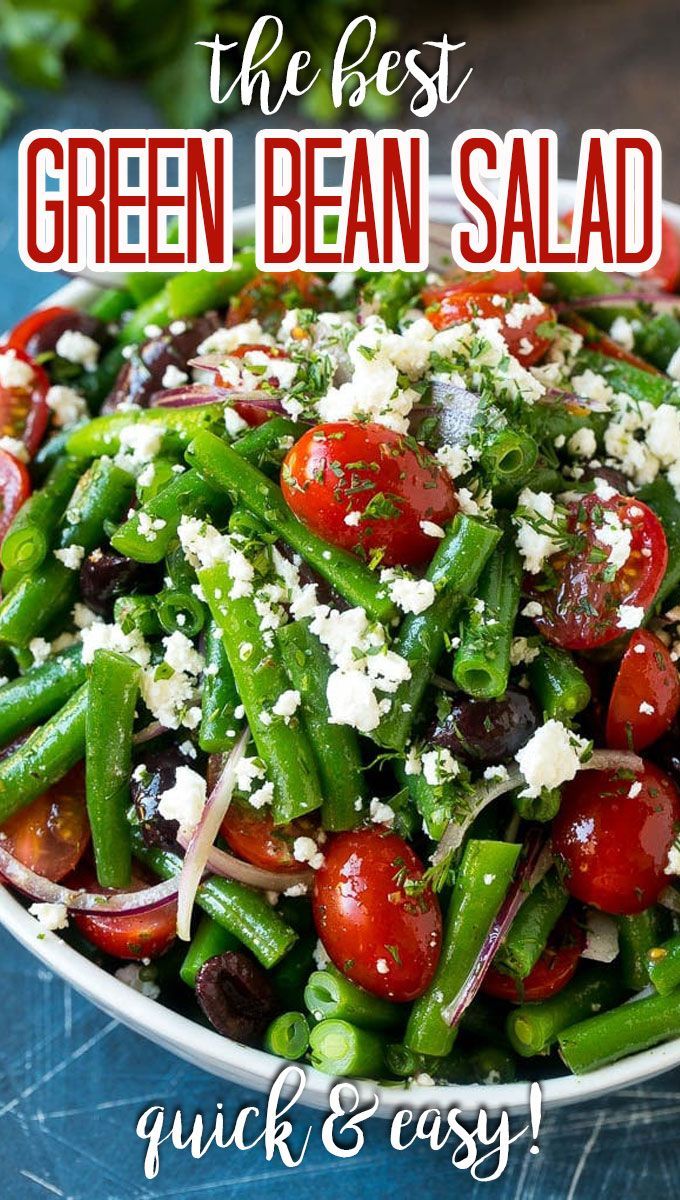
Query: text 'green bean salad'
[{"x": 339, "y": 629}]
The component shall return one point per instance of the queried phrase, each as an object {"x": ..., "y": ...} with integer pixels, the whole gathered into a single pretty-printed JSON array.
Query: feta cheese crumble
[{"x": 550, "y": 758}]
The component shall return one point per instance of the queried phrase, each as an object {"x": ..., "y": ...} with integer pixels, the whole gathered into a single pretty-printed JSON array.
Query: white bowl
[{"x": 255, "y": 1068}]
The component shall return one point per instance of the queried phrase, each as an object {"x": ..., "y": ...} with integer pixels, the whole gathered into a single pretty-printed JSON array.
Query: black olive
[
  {"x": 142, "y": 375},
  {"x": 104, "y": 574},
  {"x": 666, "y": 752},
  {"x": 482, "y": 732},
  {"x": 45, "y": 339},
  {"x": 614, "y": 478},
  {"x": 156, "y": 773},
  {"x": 236, "y": 996}
]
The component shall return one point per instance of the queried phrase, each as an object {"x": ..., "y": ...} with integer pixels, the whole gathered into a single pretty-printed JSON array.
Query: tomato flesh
[
  {"x": 50, "y": 835},
  {"x": 24, "y": 414},
  {"x": 381, "y": 937},
  {"x": 553, "y": 971},
  {"x": 646, "y": 695},
  {"x": 268, "y": 297},
  {"x": 15, "y": 488},
  {"x": 502, "y": 283},
  {"x": 391, "y": 482},
  {"x": 612, "y": 844},
  {"x": 528, "y": 341},
  {"x": 595, "y": 339},
  {"x": 666, "y": 272},
  {"x": 252, "y": 835},
  {"x": 579, "y": 593},
  {"x": 127, "y": 935}
]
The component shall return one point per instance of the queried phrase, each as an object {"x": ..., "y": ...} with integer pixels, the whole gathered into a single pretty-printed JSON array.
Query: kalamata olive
[
  {"x": 104, "y": 574},
  {"x": 482, "y": 732},
  {"x": 236, "y": 996},
  {"x": 143, "y": 373},
  {"x": 156, "y": 773},
  {"x": 614, "y": 478},
  {"x": 666, "y": 752},
  {"x": 45, "y": 339}
]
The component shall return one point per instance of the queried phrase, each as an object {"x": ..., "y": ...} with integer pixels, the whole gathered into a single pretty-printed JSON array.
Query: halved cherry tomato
[
  {"x": 667, "y": 271},
  {"x": 268, "y": 297},
  {"x": 595, "y": 339},
  {"x": 23, "y": 410},
  {"x": 252, "y": 835},
  {"x": 25, "y": 330},
  {"x": 51, "y": 834},
  {"x": 579, "y": 592},
  {"x": 381, "y": 937},
  {"x": 15, "y": 488},
  {"x": 527, "y": 341},
  {"x": 253, "y": 413},
  {"x": 391, "y": 482},
  {"x": 553, "y": 971},
  {"x": 502, "y": 283},
  {"x": 613, "y": 834},
  {"x": 646, "y": 695},
  {"x": 127, "y": 935}
]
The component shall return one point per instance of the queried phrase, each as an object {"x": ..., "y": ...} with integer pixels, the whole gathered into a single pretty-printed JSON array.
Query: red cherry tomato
[
  {"x": 252, "y": 835},
  {"x": 127, "y": 935},
  {"x": 378, "y": 935},
  {"x": 254, "y": 414},
  {"x": 268, "y": 297},
  {"x": 579, "y": 595},
  {"x": 388, "y": 479},
  {"x": 647, "y": 680},
  {"x": 553, "y": 971},
  {"x": 23, "y": 410},
  {"x": 595, "y": 339},
  {"x": 667, "y": 271},
  {"x": 502, "y": 283},
  {"x": 15, "y": 488},
  {"x": 527, "y": 341},
  {"x": 25, "y": 330},
  {"x": 51, "y": 834},
  {"x": 613, "y": 834}
]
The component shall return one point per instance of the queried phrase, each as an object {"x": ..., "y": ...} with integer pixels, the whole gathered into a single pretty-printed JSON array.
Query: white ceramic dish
[{"x": 254, "y": 1068}]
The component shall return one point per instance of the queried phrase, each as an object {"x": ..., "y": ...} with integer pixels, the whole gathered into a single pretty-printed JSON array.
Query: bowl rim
[{"x": 253, "y": 1068}]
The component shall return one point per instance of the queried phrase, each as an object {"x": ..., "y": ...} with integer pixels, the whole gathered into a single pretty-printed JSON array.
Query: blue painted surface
[{"x": 73, "y": 1083}]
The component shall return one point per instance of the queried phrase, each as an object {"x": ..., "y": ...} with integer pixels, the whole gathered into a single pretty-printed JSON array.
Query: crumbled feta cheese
[
  {"x": 67, "y": 405},
  {"x": 14, "y": 372},
  {"x": 673, "y": 865},
  {"x": 287, "y": 705},
  {"x": 454, "y": 459},
  {"x": 622, "y": 332},
  {"x": 352, "y": 700},
  {"x": 430, "y": 529},
  {"x": 40, "y": 649},
  {"x": 233, "y": 422},
  {"x": 306, "y": 850},
  {"x": 617, "y": 537},
  {"x": 630, "y": 616},
  {"x": 602, "y": 937},
  {"x": 583, "y": 443},
  {"x": 646, "y": 708},
  {"x": 496, "y": 774},
  {"x": 143, "y": 440},
  {"x": 382, "y": 966},
  {"x": 77, "y": 347},
  {"x": 321, "y": 957},
  {"x": 15, "y": 447},
  {"x": 550, "y": 758},
  {"x": 439, "y": 766},
  {"x": 533, "y": 608},
  {"x": 410, "y": 595},
  {"x": 537, "y": 534},
  {"x": 185, "y": 800},
  {"x": 100, "y": 636},
  {"x": 173, "y": 377},
  {"x": 131, "y": 974},
  {"x": 381, "y": 813},
  {"x": 50, "y": 916},
  {"x": 673, "y": 368},
  {"x": 71, "y": 556}
]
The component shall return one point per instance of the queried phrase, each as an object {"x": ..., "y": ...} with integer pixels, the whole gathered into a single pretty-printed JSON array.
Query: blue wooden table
[{"x": 73, "y": 1083}]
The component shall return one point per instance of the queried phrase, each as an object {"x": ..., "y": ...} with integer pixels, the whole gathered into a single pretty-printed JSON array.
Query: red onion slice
[
  {"x": 148, "y": 733},
  {"x": 201, "y": 840},
  {"x": 532, "y": 867},
  {"x": 44, "y": 890},
  {"x": 226, "y": 865},
  {"x": 634, "y": 296},
  {"x": 188, "y": 395}
]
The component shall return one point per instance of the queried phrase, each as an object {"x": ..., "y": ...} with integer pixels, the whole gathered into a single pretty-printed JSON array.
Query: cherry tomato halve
[
  {"x": 254, "y": 414},
  {"x": 613, "y": 834},
  {"x": 379, "y": 935},
  {"x": 368, "y": 489},
  {"x": 528, "y": 338},
  {"x": 134, "y": 935},
  {"x": 580, "y": 593},
  {"x": 553, "y": 971},
  {"x": 268, "y": 297},
  {"x": 666, "y": 272},
  {"x": 646, "y": 695},
  {"x": 51, "y": 834},
  {"x": 595, "y": 339},
  {"x": 24, "y": 414},
  {"x": 15, "y": 488},
  {"x": 490, "y": 283},
  {"x": 252, "y": 835}
]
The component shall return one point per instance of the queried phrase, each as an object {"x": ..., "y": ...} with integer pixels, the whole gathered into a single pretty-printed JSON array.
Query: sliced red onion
[
  {"x": 633, "y": 296},
  {"x": 202, "y": 838},
  {"x": 670, "y": 898},
  {"x": 190, "y": 394},
  {"x": 154, "y": 730},
  {"x": 220, "y": 862},
  {"x": 534, "y": 864},
  {"x": 488, "y": 791},
  {"x": 47, "y": 892}
]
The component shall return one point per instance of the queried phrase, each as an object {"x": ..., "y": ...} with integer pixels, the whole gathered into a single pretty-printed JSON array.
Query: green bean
[
  {"x": 45, "y": 757},
  {"x": 330, "y": 994},
  {"x": 110, "y": 303},
  {"x": 626, "y": 1030},
  {"x": 137, "y": 613},
  {"x": 508, "y": 456},
  {"x": 96, "y": 385},
  {"x": 454, "y": 571},
  {"x": 223, "y": 468},
  {"x": 260, "y": 680},
  {"x": 534, "y": 1028},
  {"x": 112, "y": 695},
  {"x": 657, "y": 336},
  {"x": 219, "y": 726},
  {"x": 180, "y": 610},
  {"x": 308, "y": 667},
  {"x": 434, "y": 802},
  {"x": 142, "y": 285},
  {"x": 481, "y": 666},
  {"x": 40, "y": 598},
  {"x": 560, "y": 686},
  {"x": 389, "y": 293},
  {"x": 482, "y": 881},
  {"x": 484, "y": 1020},
  {"x": 483, "y": 1064},
  {"x": 288, "y": 1036},
  {"x": 163, "y": 473},
  {"x": 33, "y": 529},
  {"x": 338, "y": 1048},
  {"x": 532, "y": 926},
  {"x": 624, "y": 377},
  {"x": 240, "y": 910},
  {"x": 32, "y": 698},
  {"x": 290, "y": 976},
  {"x": 209, "y": 940},
  {"x": 543, "y": 807},
  {"x": 189, "y": 294},
  {"x": 639, "y": 938},
  {"x": 661, "y": 497},
  {"x": 177, "y": 426},
  {"x": 664, "y": 965}
]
